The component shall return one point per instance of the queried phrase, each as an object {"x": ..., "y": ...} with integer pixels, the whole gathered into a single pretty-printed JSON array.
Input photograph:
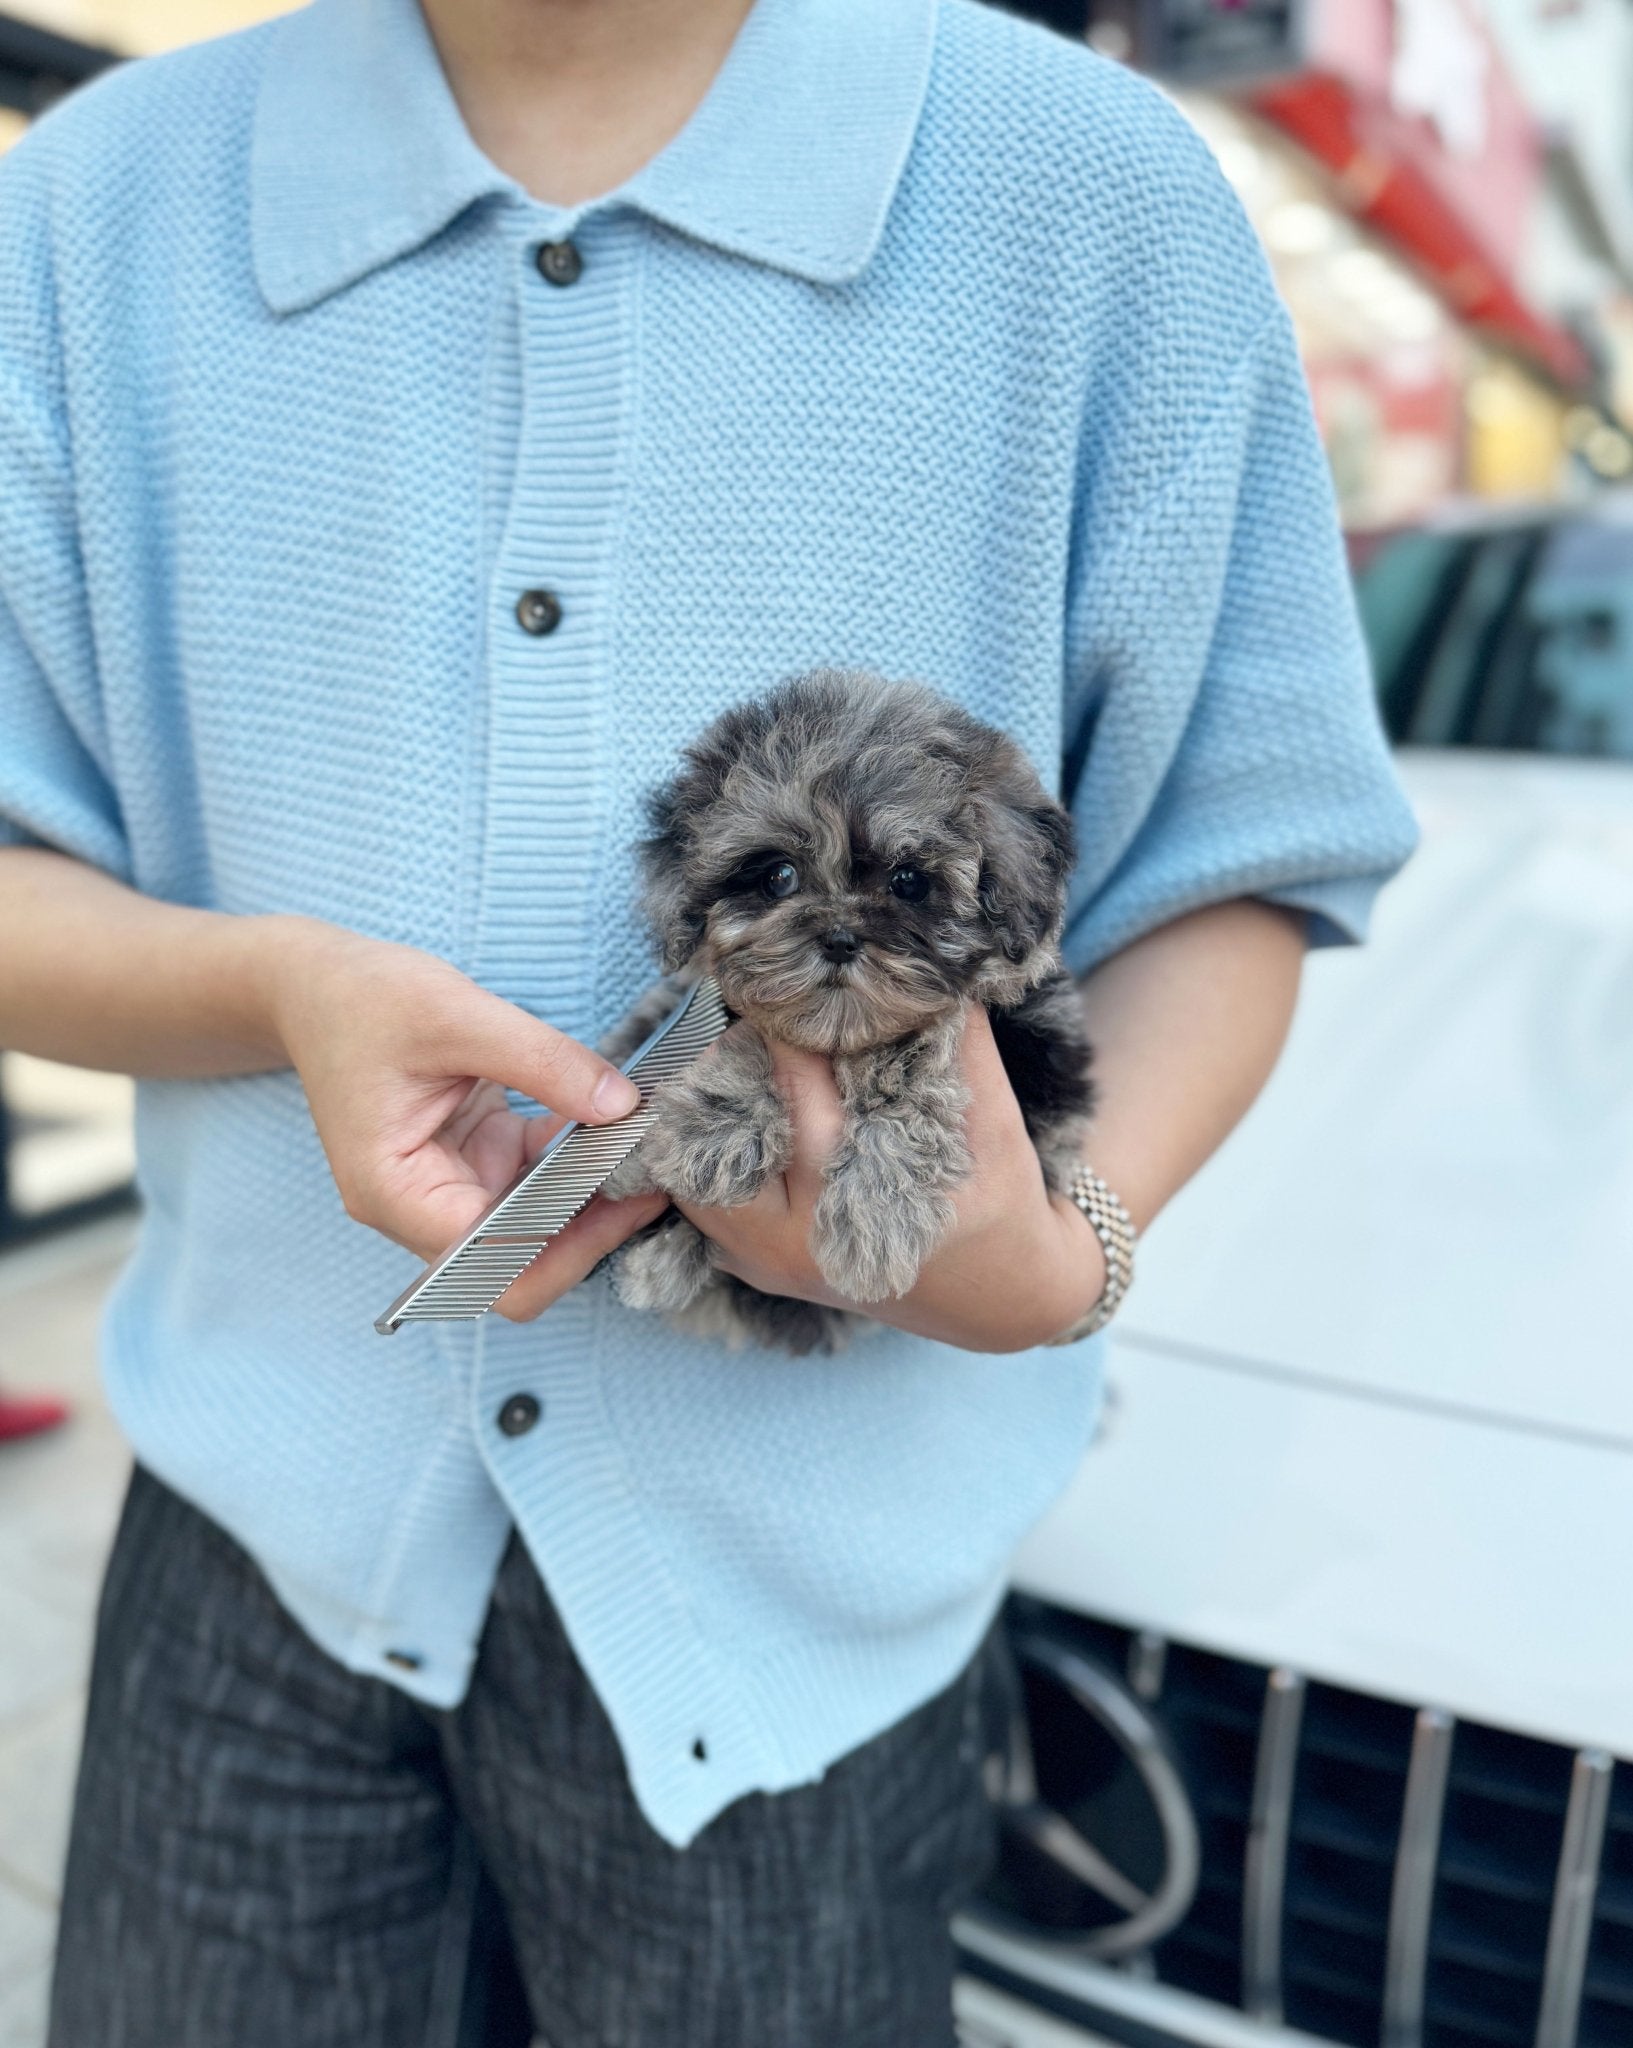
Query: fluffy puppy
[{"x": 853, "y": 860}]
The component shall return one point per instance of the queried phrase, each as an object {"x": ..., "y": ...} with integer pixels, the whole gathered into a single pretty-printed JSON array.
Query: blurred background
[{"x": 1325, "y": 1692}]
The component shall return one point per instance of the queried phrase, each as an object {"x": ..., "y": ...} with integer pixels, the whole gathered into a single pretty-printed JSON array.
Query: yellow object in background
[
  {"x": 140, "y": 27},
  {"x": 1516, "y": 444}
]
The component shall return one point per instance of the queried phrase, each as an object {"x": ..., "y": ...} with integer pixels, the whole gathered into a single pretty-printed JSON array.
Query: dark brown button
[
  {"x": 518, "y": 1415},
  {"x": 538, "y": 612},
  {"x": 559, "y": 263},
  {"x": 405, "y": 1660}
]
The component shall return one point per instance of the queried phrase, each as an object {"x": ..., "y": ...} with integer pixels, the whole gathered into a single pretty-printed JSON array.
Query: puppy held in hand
[{"x": 855, "y": 861}]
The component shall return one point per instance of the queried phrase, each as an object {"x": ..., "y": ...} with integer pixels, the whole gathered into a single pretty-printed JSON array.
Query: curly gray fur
[{"x": 854, "y": 860}]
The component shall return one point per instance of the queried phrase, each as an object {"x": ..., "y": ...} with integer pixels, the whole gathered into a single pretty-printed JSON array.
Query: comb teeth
[{"x": 468, "y": 1279}]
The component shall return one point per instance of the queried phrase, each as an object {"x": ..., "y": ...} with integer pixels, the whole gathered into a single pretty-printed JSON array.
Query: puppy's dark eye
[
  {"x": 780, "y": 881},
  {"x": 912, "y": 885}
]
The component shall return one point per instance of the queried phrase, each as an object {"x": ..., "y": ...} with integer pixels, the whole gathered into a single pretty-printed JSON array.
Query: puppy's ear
[
  {"x": 677, "y": 897},
  {"x": 1027, "y": 847},
  {"x": 677, "y": 922}
]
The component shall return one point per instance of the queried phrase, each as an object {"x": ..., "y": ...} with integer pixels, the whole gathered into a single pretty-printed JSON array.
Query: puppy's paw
[
  {"x": 664, "y": 1269},
  {"x": 719, "y": 1165},
  {"x": 870, "y": 1240},
  {"x": 719, "y": 1135}
]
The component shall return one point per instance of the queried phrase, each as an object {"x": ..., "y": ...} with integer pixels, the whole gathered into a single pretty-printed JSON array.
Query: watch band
[{"x": 1114, "y": 1227}]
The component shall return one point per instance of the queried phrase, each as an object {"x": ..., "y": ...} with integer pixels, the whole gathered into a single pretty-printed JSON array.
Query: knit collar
[{"x": 360, "y": 154}]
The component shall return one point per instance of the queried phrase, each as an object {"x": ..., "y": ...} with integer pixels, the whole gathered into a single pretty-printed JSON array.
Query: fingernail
[{"x": 614, "y": 1094}]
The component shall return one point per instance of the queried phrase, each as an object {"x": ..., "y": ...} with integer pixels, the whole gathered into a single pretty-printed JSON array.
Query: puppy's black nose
[{"x": 841, "y": 943}]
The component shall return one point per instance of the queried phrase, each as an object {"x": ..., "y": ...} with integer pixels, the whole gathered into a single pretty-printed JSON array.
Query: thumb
[
  {"x": 805, "y": 1081},
  {"x": 992, "y": 1115},
  {"x": 504, "y": 1044}
]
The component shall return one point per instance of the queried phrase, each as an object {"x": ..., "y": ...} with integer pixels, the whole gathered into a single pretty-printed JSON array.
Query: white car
[{"x": 1329, "y": 1651}]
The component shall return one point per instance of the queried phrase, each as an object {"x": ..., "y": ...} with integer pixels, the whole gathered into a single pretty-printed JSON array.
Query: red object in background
[
  {"x": 1459, "y": 212},
  {"x": 20, "y": 1417},
  {"x": 1427, "y": 402}
]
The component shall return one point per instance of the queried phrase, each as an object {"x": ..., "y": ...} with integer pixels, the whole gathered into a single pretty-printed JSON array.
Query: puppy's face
[
  {"x": 832, "y": 938},
  {"x": 853, "y": 858}
]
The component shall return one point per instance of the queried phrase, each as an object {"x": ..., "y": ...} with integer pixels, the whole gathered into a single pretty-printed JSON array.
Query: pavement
[{"x": 59, "y": 1500}]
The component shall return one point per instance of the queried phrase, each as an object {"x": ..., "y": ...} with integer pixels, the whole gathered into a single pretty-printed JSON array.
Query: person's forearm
[
  {"x": 1186, "y": 1024},
  {"x": 404, "y": 1060},
  {"x": 96, "y": 975}
]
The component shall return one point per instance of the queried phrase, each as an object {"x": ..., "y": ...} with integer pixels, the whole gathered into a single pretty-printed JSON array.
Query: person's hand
[
  {"x": 405, "y": 1063},
  {"x": 1019, "y": 1264}
]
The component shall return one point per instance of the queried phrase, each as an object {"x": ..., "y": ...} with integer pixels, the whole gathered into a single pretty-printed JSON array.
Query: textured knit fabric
[
  {"x": 933, "y": 344},
  {"x": 269, "y": 1851}
]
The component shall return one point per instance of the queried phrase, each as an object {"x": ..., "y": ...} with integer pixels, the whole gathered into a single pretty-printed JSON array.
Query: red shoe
[{"x": 20, "y": 1418}]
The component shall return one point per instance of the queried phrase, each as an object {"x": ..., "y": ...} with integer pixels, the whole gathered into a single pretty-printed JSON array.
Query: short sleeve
[
  {"x": 1222, "y": 736},
  {"x": 56, "y": 786}
]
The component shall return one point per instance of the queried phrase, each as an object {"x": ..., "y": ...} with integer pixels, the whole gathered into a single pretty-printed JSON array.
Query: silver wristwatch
[{"x": 1114, "y": 1227}]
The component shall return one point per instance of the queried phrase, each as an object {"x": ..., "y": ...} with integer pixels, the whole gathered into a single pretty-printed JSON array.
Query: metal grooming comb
[{"x": 470, "y": 1277}]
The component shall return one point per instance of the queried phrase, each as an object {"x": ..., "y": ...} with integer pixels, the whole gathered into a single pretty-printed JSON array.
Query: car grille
[{"x": 1428, "y": 1883}]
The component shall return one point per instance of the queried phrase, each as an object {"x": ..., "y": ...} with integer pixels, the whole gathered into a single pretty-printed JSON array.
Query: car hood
[{"x": 1433, "y": 1201}]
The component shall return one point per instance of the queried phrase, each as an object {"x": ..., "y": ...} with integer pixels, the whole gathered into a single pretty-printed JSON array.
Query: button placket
[
  {"x": 560, "y": 263},
  {"x": 566, "y": 390}
]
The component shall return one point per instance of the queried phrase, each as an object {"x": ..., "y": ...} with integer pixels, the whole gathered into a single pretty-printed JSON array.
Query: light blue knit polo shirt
[{"x": 933, "y": 344}]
